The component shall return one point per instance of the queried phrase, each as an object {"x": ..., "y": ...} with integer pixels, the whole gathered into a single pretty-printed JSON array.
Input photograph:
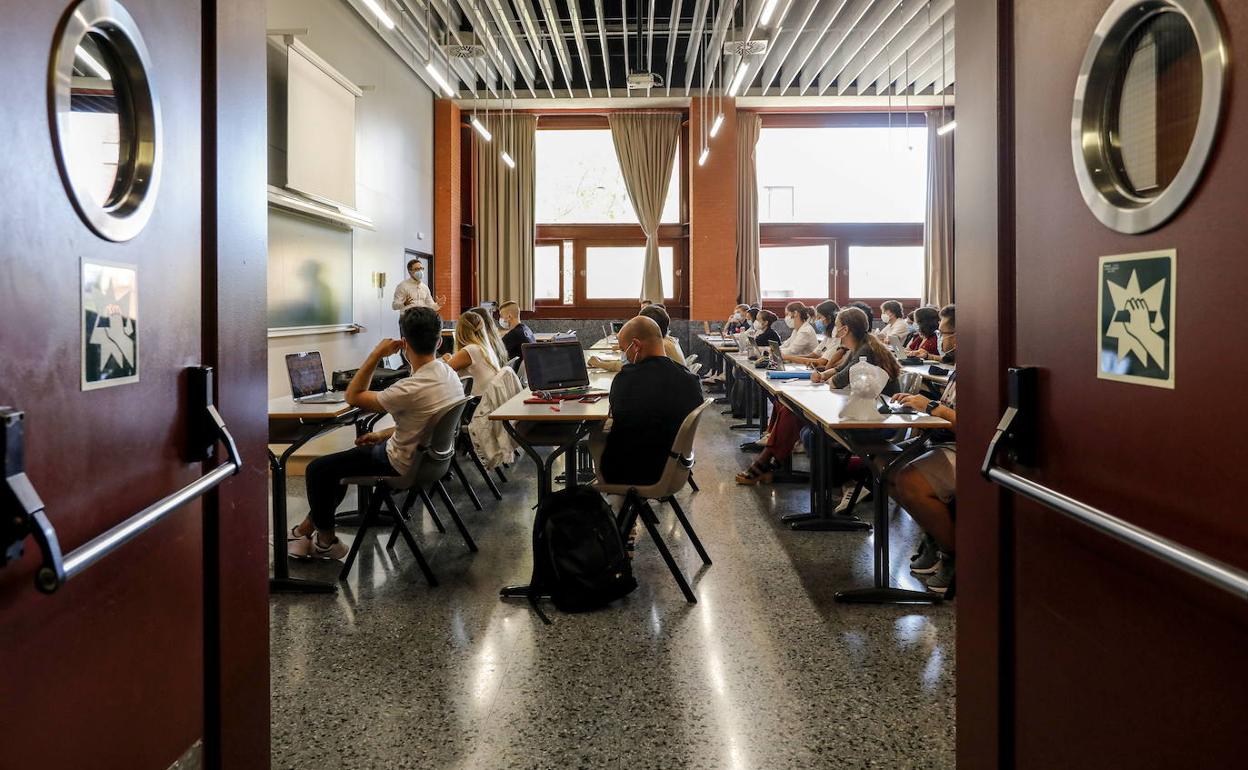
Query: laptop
[
  {"x": 777, "y": 358},
  {"x": 307, "y": 380},
  {"x": 556, "y": 368}
]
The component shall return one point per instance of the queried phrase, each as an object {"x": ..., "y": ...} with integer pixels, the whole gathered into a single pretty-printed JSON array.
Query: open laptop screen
[
  {"x": 616, "y": 326},
  {"x": 307, "y": 374},
  {"x": 555, "y": 365}
]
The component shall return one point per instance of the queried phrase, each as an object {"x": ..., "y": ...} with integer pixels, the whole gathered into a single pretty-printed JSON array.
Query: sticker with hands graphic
[{"x": 1136, "y": 318}]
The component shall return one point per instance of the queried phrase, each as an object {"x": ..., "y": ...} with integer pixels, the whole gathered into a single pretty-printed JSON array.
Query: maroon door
[
  {"x": 128, "y": 664},
  {"x": 1075, "y": 650}
]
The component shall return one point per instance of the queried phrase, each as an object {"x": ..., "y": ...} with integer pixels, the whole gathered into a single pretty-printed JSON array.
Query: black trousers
[{"x": 325, "y": 474}]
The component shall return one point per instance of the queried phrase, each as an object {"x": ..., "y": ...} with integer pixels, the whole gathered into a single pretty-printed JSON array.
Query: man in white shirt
[
  {"x": 413, "y": 402},
  {"x": 412, "y": 291}
]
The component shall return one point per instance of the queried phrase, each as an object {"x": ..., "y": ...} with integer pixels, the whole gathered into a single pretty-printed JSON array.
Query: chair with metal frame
[
  {"x": 676, "y": 474},
  {"x": 429, "y": 467}
]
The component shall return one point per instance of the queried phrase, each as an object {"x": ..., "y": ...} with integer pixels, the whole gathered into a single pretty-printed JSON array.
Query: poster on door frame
[
  {"x": 1135, "y": 312},
  {"x": 110, "y": 323}
]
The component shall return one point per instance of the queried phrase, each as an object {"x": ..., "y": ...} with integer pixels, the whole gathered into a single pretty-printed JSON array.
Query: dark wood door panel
[{"x": 108, "y": 672}]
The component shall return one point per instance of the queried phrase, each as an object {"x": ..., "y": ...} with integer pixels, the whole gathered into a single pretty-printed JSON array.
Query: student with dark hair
[
  {"x": 947, "y": 338},
  {"x": 412, "y": 402},
  {"x": 928, "y": 320},
  {"x": 855, "y": 341},
  {"x": 895, "y": 325},
  {"x": 766, "y": 334},
  {"x": 803, "y": 340},
  {"x": 825, "y": 316},
  {"x": 412, "y": 291}
]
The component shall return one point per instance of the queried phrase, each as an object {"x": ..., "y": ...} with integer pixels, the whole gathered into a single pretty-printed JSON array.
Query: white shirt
[
  {"x": 826, "y": 348},
  {"x": 411, "y": 293},
  {"x": 412, "y": 402},
  {"x": 482, "y": 367},
  {"x": 801, "y": 342},
  {"x": 898, "y": 328},
  {"x": 672, "y": 348}
]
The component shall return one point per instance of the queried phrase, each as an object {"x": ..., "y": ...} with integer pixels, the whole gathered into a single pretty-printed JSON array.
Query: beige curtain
[
  {"x": 645, "y": 144},
  {"x": 749, "y": 291},
  {"x": 938, "y": 234},
  {"x": 504, "y": 196}
]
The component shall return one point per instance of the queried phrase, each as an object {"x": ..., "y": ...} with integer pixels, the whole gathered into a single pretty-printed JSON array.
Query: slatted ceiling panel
[{"x": 561, "y": 49}]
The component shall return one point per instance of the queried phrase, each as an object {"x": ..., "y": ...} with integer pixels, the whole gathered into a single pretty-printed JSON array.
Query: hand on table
[{"x": 915, "y": 402}]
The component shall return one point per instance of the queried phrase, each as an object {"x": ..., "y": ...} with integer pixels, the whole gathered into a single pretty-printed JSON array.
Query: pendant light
[
  {"x": 719, "y": 100},
  {"x": 702, "y": 111},
  {"x": 950, "y": 124}
]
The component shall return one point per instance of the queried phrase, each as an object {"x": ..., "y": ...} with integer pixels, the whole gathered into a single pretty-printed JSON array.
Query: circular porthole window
[
  {"x": 106, "y": 118},
  {"x": 1146, "y": 111}
]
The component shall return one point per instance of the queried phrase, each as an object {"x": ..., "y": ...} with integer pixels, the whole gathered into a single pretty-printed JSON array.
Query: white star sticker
[{"x": 1139, "y": 334}]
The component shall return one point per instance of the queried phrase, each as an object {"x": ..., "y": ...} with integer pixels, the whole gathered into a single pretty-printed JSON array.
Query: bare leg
[{"x": 916, "y": 495}]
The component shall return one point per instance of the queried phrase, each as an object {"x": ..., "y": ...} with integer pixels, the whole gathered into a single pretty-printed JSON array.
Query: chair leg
[
  {"x": 401, "y": 526},
  {"x": 693, "y": 484},
  {"x": 370, "y": 518},
  {"x": 489, "y": 482},
  {"x": 463, "y": 482},
  {"x": 459, "y": 523},
  {"x": 647, "y": 520},
  {"x": 501, "y": 476},
  {"x": 433, "y": 514},
  {"x": 684, "y": 522}
]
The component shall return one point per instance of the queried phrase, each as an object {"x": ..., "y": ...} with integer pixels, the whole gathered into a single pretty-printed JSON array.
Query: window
[
  {"x": 547, "y": 270},
  {"x": 885, "y": 272},
  {"x": 788, "y": 272},
  {"x": 614, "y": 272},
  {"x": 843, "y": 174},
  {"x": 579, "y": 181}
]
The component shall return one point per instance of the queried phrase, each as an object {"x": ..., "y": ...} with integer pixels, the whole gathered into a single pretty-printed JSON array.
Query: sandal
[{"x": 754, "y": 475}]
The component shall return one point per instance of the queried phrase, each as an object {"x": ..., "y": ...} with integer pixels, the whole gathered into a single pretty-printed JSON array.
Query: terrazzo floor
[{"x": 766, "y": 671}]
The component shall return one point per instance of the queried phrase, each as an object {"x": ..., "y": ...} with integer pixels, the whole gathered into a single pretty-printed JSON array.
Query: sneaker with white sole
[
  {"x": 843, "y": 508},
  {"x": 942, "y": 579},
  {"x": 311, "y": 548},
  {"x": 927, "y": 560}
]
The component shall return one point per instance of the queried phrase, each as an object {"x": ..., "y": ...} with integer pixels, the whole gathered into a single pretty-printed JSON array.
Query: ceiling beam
[
  {"x": 836, "y": 24},
  {"x": 533, "y": 34},
  {"x": 492, "y": 49},
  {"x": 582, "y": 45},
  {"x": 628, "y": 68},
  {"x": 673, "y": 36},
  {"x": 885, "y": 42},
  {"x": 893, "y": 58},
  {"x": 918, "y": 60},
  {"x": 519, "y": 53},
  {"x": 727, "y": 9},
  {"x": 602, "y": 41},
  {"x": 933, "y": 71},
  {"x": 555, "y": 25},
  {"x": 781, "y": 45},
  {"x": 834, "y": 56},
  {"x": 649, "y": 37}
]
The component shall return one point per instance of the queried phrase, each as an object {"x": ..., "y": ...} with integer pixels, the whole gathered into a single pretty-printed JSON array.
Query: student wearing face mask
[
  {"x": 894, "y": 321},
  {"x": 946, "y": 338},
  {"x": 518, "y": 334},
  {"x": 803, "y": 340},
  {"x": 924, "y": 339},
  {"x": 738, "y": 322},
  {"x": 671, "y": 348},
  {"x": 412, "y": 291},
  {"x": 825, "y": 314},
  {"x": 852, "y": 331}
]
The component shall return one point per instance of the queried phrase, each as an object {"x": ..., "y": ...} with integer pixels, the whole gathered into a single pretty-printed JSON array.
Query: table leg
[
  {"x": 282, "y": 582},
  {"x": 822, "y": 517}
]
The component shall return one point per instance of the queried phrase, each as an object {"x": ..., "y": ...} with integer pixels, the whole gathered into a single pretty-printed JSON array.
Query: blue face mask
[{"x": 819, "y": 326}]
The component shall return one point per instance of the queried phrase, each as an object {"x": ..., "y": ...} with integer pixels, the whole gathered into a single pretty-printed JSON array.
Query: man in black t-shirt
[
  {"x": 517, "y": 333},
  {"x": 650, "y": 398}
]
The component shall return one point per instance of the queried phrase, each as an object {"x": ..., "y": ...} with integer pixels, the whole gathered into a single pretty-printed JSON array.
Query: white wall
[{"x": 394, "y": 174}]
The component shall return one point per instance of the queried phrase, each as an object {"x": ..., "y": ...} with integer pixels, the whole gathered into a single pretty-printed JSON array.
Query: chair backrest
[
  {"x": 691, "y": 360},
  {"x": 467, "y": 381},
  {"x": 680, "y": 460},
  {"x": 514, "y": 363},
  {"x": 910, "y": 382},
  {"x": 523, "y": 375},
  {"x": 434, "y": 459}
]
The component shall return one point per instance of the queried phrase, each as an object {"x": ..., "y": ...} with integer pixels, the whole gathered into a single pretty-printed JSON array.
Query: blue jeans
[{"x": 325, "y": 474}]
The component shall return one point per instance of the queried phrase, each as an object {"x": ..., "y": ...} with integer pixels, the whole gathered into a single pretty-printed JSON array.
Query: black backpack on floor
[{"x": 578, "y": 555}]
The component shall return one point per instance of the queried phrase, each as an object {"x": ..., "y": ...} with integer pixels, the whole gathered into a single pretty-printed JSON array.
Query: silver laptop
[
  {"x": 307, "y": 380},
  {"x": 556, "y": 368},
  {"x": 777, "y": 358}
]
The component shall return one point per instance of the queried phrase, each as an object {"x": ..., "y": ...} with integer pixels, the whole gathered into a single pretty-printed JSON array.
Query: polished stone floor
[{"x": 766, "y": 671}]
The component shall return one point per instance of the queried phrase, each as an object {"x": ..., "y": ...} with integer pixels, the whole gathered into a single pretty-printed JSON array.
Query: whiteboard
[
  {"x": 320, "y": 131},
  {"x": 309, "y": 272}
]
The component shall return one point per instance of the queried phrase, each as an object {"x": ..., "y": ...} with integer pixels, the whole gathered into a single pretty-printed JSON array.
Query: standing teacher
[{"x": 412, "y": 292}]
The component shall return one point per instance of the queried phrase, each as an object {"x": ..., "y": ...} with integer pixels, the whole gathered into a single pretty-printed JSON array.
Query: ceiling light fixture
[
  {"x": 719, "y": 121},
  {"x": 947, "y": 128},
  {"x": 706, "y": 153},
  {"x": 481, "y": 129},
  {"x": 441, "y": 81},
  {"x": 380, "y": 13},
  {"x": 92, "y": 63},
  {"x": 950, "y": 124},
  {"x": 511, "y": 163},
  {"x": 739, "y": 77}
]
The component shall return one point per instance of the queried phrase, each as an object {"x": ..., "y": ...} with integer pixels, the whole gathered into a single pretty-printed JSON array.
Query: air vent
[
  {"x": 738, "y": 46},
  {"x": 468, "y": 48}
]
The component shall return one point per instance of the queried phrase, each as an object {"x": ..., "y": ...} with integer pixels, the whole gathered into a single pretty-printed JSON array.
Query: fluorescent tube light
[
  {"x": 441, "y": 81},
  {"x": 482, "y": 130},
  {"x": 719, "y": 121},
  {"x": 92, "y": 63},
  {"x": 769, "y": 8},
  {"x": 706, "y": 153},
  {"x": 511, "y": 163},
  {"x": 380, "y": 13},
  {"x": 947, "y": 128},
  {"x": 738, "y": 78}
]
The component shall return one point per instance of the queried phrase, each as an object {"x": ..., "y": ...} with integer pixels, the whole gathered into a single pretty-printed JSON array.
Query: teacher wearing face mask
[{"x": 412, "y": 291}]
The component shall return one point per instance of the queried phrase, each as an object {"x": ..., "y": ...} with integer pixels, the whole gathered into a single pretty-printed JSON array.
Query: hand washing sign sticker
[{"x": 1135, "y": 340}]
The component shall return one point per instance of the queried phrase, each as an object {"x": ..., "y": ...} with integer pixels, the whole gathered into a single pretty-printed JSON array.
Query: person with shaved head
[{"x": 650, "y": 398}]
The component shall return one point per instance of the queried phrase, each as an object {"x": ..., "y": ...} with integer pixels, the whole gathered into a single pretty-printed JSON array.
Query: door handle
[
  {"x": 22, "y": 511},
  {"x": 1015, "y": 435}
]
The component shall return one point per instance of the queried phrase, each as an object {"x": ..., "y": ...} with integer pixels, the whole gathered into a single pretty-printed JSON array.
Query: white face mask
[
  {"x": 758, "y": 326},
  {"x": 418, "y": 275},
  {"x": 788, "y": 321},
  {"x": 503, "y": 323},
  {"x": 887, "y": 318},
  {"x": 738, "y": 317}
]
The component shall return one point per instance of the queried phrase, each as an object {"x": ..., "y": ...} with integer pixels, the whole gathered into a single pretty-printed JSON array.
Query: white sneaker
[
  {"x": 843, "y": 508},
  {"x": 311, "y": 548}
]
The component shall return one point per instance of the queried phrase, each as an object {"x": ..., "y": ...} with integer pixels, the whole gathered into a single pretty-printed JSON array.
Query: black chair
[{"x": 429, "y": 468}]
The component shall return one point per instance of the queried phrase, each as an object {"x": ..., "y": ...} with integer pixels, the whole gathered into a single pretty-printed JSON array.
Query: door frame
[{"x": 984, "y": 286}]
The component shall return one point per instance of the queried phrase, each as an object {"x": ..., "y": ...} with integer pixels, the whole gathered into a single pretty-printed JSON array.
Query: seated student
[
  {"x": 739, "y": 321},
  {"x": 855, "y": 342},
  {"x": 894, "y": 322},
  {"x": 764, "y": 334},
  {"x": 925, "y": 488},
  {"x": 671, "y": 348},
  {"x": 473, "y": 357},
  {"x": 825, "y": 316},
  {"x": 925, "y": 339},
  {"x": 803, "y": 340},
  {"x": 518, "y": 333},
  {"x": 490, "y": 332},
  {"x": 412, "y": 402},
  {"x": 650, "y": 398},
  {"x": 947, "y": 338}
]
